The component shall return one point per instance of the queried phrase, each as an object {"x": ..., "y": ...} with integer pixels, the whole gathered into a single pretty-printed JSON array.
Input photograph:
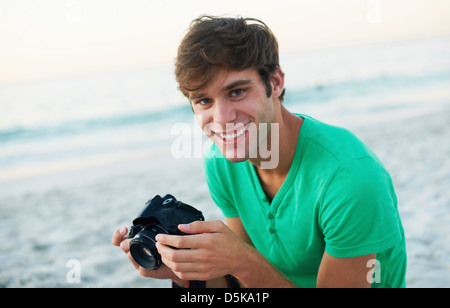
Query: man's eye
[
  {"x": 204, "y": 101},
  {"x": 236, "y": 92}
]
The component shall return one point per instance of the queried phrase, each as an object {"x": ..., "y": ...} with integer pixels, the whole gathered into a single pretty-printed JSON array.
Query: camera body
[{"x": 161, "y": 215}]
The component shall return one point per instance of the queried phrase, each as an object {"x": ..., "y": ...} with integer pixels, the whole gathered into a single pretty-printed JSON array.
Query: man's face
[{"x": 230, "y": 110}]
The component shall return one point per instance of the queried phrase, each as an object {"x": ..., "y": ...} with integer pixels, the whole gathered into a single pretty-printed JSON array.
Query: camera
[{"x": 161, "y": 215}]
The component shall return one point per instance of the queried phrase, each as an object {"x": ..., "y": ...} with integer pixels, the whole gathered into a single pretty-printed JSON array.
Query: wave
[
  {"x": 333, "y": 90},
  {"x": 81, "y": 126}
]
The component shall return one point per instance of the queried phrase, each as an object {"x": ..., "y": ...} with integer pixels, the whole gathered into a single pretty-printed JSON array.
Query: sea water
[{"x": 83, "y": 117}]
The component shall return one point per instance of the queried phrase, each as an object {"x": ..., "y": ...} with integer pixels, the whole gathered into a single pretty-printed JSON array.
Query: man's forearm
[{"x": 254, "y": 271}]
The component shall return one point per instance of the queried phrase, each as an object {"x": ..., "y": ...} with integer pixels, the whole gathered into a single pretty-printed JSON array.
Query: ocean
[
  {"x": 69, "y": 120},
  {"x": 61, "y": 137}
]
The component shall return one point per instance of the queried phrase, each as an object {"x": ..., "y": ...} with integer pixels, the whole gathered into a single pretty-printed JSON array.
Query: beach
[
  {"x": 416, "y": 152},
  {"x": 65, "y": 199},
  {"x": 49, "y": 220},
  {"x": 46, "y": 224}
]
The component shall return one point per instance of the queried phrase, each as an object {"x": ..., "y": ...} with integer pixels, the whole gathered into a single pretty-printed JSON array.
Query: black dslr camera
[{"x": 161, "y": 215}]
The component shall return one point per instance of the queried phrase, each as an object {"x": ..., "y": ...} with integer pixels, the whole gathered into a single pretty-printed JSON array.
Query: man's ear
[{"x": 277, "y": 82}]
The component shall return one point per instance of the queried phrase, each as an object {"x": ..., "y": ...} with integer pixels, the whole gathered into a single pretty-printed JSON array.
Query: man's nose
[{"x": 224, "y": 112}]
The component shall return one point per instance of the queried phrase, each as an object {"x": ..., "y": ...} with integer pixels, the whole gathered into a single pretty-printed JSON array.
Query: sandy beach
[{"x": 49, "y": 219}]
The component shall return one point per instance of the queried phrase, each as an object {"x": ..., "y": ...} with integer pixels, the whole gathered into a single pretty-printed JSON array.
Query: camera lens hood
[{"x": 143, "y": 250}]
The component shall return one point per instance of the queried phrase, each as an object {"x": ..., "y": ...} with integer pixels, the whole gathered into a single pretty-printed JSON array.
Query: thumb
[{"x": 202, "y": 227}]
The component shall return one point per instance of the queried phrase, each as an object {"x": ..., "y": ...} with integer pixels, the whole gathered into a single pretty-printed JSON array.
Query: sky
[{"x": 54, "y": 38}]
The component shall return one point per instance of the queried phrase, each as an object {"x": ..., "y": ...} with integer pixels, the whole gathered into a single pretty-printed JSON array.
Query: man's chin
[
  {"x": 235, "y": 159},
  {"x": 234, "y": 156}
]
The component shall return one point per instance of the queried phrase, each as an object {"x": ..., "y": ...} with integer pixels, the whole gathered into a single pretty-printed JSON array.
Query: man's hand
[
  {"x": 213, "y": 250},
  {"x": 120, "y": 239}
]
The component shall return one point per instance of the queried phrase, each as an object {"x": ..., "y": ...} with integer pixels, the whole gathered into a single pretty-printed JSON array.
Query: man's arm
[
  {"x": 344, "y": 272},
  {"x": 333, "y": 272},
  {"x": 235, "y": 224},
  {"x": 256, "y": 264},
  {"x": 215, "y": 250}
]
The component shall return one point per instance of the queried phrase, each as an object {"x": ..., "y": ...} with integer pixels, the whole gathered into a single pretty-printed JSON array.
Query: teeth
[{"x": 235, "y": 135}]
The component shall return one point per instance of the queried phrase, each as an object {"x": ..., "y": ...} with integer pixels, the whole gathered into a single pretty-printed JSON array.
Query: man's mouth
[{"x": 233, "y": 135}]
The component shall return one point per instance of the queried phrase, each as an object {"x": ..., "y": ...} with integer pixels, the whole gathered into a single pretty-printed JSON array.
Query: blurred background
[{"x": 88, "y": 106}]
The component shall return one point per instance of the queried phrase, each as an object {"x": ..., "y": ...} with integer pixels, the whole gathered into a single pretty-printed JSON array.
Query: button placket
[{"x": 271, "y": 224}]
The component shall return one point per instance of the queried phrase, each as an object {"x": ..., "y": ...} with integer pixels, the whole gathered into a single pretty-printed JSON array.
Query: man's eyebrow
[
  {"x": 237, "y": 84},
  {"x": 197, "y": 96}
]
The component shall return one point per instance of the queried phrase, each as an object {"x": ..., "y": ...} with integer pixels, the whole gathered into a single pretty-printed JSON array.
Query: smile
[{"x": 234, "y": 135}]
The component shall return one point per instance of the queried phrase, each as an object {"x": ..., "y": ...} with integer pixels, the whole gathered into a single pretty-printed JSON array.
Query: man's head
[{"x": 216, "y": 43}]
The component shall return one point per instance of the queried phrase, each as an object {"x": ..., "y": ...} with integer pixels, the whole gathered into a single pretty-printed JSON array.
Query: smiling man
[{"x": 306, "y": 204}]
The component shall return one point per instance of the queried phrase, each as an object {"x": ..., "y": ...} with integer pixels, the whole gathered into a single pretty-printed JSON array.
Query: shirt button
[
  {"x": 264, "y": 198},
  {"x": 270, "y": 216},
  {"x": 271, "y": 230}
]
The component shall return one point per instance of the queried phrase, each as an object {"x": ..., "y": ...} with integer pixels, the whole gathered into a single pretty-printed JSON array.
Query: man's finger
[
  {"x": 125, "y": 245},
  {"x": 196, "y": 227},
  {"x": 179, "y": 241},
  {"x": 176, "y": 255},
  {"x": 119, "y": 236}
]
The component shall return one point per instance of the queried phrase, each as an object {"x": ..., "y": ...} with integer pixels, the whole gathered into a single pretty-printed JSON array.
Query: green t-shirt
[{"x": 337, "y": 197}]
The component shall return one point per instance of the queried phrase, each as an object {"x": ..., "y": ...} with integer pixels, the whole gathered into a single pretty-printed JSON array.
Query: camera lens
[{"x": 143, "y": 248}]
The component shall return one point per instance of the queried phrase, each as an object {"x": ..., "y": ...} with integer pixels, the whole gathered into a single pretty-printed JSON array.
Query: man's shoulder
[{"x": 330, "y": 141}]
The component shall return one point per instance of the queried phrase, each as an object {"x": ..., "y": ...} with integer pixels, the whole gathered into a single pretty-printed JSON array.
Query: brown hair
[{"x": 213, "y": 43}]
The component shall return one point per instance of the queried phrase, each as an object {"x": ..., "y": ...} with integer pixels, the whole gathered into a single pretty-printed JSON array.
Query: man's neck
[{"x": 272, "y": 178}]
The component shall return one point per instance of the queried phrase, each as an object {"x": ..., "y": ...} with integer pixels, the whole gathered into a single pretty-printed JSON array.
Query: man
[{"x": 316, "y": 210}]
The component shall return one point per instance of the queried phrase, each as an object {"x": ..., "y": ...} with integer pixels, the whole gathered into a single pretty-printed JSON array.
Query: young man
[{"x": 316, "y": 210}]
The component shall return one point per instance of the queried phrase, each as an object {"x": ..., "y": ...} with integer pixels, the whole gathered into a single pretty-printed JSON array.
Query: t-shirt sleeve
[
  {"x": 215, "y": 180},
  {"x": 358, "y": 214}
]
